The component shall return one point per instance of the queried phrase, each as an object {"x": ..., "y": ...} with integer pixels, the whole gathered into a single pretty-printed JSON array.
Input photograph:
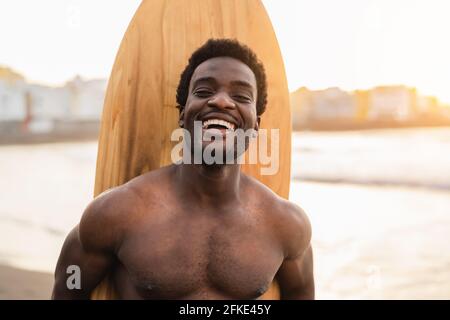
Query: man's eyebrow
[
  {"x": 204, "y": 79},
  {"x": 241, "y": 83}
]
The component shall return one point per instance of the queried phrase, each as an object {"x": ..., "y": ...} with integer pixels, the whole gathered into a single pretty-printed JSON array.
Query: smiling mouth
[{"x": 218, "y": 124}]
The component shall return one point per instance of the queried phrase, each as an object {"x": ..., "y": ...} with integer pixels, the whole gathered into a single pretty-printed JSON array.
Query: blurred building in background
[
  {"x": 12, "y": 95},
  {"x": 86, "y": 98},
  {"x": 301, "y": 103},
  {"x": 34, "y": 111},
  {"x": 324, "y": 105},
  {"x": 392, "y": 103},
  {"x": 379, "y": 107}
]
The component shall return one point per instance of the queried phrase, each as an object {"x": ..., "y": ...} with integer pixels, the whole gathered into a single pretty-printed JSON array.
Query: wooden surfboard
[{"x": 140, "y": 112}]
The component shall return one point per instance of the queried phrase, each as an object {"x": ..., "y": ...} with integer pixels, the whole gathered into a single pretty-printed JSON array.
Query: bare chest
[{"x": 176, "y": 259}]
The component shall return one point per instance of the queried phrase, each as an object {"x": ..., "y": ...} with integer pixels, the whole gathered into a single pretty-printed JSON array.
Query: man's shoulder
[
  {"x": 129, "y": 197},
  {"x": 260, "y": 190},
  {"x": 289, "y": 220},
  {"x": 149, "y": 183},
  {"x": 294, "y": 227},
  {"x": 115, "y": 211},
  {"x": 114, "y": 201},
  {"x": 105, "y": 218}
]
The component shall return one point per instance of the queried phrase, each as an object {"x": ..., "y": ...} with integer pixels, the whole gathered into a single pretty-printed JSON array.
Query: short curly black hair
[{"x": 224, "y": 48}]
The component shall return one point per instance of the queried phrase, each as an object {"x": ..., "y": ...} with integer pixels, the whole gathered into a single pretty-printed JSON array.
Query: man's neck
[{"x": 209, "y": 185}]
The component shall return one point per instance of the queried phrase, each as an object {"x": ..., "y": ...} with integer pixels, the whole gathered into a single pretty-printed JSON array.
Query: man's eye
[
  {"x": 242, "y": 98},
  {"x": 202, "y": 93}
]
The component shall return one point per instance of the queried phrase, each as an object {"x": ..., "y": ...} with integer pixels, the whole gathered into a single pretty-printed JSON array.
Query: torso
[{"x": 174, "y": 252}]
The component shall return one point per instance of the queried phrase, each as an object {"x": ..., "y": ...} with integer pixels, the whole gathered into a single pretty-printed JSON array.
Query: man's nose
[{"x": 222, "y": 101}]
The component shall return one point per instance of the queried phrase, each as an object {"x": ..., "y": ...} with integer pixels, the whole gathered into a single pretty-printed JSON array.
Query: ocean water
[
  {"x": 378, "y": 201},
  {"x": 407, "y": 157}
]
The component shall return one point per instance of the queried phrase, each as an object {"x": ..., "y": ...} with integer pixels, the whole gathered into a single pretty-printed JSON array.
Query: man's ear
[
  {"x": 181, "y": 117},
  {"x": 258, "y": 122}
]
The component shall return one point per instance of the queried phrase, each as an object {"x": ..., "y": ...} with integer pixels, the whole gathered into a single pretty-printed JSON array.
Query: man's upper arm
[
  {"x": 88, "y": 249},
  {"x": 295, "y": 276},
  {"x": 296, "y": 279},
  {"x": 79, "y": 271}
]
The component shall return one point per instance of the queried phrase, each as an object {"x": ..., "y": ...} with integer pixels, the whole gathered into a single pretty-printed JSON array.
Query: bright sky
[{"x": 346, "y": 43}]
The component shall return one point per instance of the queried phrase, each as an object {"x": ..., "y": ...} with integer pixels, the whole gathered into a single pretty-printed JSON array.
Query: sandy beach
[{"x": 18, "y": 284}]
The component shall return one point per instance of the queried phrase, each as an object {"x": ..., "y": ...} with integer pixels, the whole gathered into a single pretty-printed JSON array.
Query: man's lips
[
  {"x": 219, "y": 120},
  {"x": 219, "y": 124}
]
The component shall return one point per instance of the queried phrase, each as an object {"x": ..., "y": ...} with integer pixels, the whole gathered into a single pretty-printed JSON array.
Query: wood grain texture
[{"x": 139, "y": 110}]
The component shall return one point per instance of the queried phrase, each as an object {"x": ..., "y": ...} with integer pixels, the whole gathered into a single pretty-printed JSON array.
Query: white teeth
[{"x": 228, "y": 125}]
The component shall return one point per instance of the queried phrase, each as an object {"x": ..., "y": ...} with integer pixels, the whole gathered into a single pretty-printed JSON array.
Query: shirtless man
[{"x": 196, "y": 231}]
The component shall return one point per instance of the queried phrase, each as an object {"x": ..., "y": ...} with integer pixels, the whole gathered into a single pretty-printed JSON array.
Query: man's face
[{"x": 222, "y": 95}]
